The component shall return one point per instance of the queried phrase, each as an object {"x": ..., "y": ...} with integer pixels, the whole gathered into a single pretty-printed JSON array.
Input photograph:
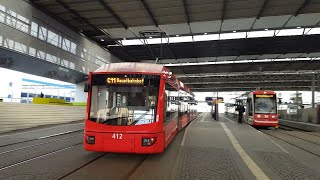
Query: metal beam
[
  {"x": 269, "y": 73},
  {"x": 245, "y": 81},
  {"x": 54, "y": 16},
  {"x": 223, "y": 12},
  {"x": 244, "y": 88},
  {"x": 258, "y": 15},
  {"x": 250, "y": 85},
  {"x": 186, "y": 11},
  {"x": 111, "y": 11},
  {"x": 277, "y": 45},
  {"x": 262, "y": 9},
  {"x": 65, "y": 6},
  {"x": 146, "y": 7},
  {"x": 306, "y": 2}
]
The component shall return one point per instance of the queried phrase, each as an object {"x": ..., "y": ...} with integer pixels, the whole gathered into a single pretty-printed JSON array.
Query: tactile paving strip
[
  {"x": 287, "y": 167},
  {"x": 206, "y": 163}
]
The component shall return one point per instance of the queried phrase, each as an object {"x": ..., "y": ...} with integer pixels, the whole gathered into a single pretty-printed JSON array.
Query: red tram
[
  {"x": 135, "y": 108},
  {"x": 262, "y": 109}
]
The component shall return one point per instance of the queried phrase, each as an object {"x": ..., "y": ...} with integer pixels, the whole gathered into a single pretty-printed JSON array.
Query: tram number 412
[{"x": 117, "y": 136}]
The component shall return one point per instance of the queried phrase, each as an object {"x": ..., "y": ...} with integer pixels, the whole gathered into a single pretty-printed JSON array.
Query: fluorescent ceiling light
[
  {"x": 201, "y": 75},
  {"x": 113, "y": 45},
  {"x": 285, "y": 59},
  {"x": 209, "y": 37},
  {"x": 180, "y": 39},
  {"x": 224, "y": 36},
  {"x": 237, "y": 35},
  {"x": 242, "y": 61},
  {"x": 289, "y": 32},
  {"x": 156, "y": 41},
  {"x": 255, "y": 34},
  {"x": 312, "y": 30},
  {"x": 131, "y": 42}
]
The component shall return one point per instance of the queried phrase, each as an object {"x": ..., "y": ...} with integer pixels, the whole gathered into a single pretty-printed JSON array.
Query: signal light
[
  {"x": 90, "y": 139},
  {"x": 148, "y": 141}
]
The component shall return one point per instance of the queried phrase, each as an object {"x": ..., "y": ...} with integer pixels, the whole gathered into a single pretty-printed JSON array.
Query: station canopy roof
[{"x": 212, "y": 45}]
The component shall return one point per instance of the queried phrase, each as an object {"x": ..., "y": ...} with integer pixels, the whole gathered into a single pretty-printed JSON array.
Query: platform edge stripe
[{"x": 254, "y": 168}]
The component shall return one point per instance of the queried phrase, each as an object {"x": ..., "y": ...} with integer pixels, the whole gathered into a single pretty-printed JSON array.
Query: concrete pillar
[
  {"x": 80, "y": 95},
  {"x": 313, "y": 90}
]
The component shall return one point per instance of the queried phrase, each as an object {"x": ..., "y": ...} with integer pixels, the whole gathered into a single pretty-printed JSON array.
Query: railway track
[
  {"x": 22, "y": 152},
  {"x": 82, "y": 166},
  {"x": 37, "y": 157},
  {"x": 19, "y": 154},
  {"x": 122, "y": 174},
  {"x": 40, "y": 138},
  {"x": 300, "y": 130},
  {"x": 135, "y": 168},
  {"x": 298, "y": 138},
  {"x": 34, "y": 145}
]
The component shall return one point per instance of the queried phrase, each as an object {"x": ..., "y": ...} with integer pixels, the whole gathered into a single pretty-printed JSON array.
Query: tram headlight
[
  {"x": 148, "y": 141},
  {"x": 259, "y": 116},
  {"x": 273, "y": 116},
  {"x": 90, "y": 140}
]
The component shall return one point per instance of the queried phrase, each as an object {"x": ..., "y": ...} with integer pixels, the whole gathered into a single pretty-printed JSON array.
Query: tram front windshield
[
  {"x": 265, "y": 104},
  {"x": 124, "y": 100}
]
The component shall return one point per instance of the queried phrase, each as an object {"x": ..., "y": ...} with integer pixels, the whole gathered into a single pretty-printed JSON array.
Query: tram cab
[{"x": 262, "y": 109}]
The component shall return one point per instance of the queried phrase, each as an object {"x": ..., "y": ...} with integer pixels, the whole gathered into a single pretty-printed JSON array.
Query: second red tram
[
  {"x": 262, "y": 109},
  {"x": 135, "y": 108}
]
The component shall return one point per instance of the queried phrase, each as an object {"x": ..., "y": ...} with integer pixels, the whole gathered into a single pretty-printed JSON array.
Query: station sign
[
  {"x": 214, "y": 99},
  {"x": 217, "y": 101},
  {"x": 126, "y": 81},
  {"x": 264, "y": 95}
]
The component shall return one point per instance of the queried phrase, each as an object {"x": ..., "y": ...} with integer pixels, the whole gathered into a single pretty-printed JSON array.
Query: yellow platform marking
[{"x": 254, "y": 168}]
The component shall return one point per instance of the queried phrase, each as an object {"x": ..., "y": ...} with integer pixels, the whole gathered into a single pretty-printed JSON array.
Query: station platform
[{"x": 225, "y": 149}]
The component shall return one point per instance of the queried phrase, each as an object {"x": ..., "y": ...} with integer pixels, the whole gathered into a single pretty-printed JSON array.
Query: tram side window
[
  {"x": 184, "y": 105},
  {"x": 171, "y": 104},
  {"x": 183, "y": 109}
]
